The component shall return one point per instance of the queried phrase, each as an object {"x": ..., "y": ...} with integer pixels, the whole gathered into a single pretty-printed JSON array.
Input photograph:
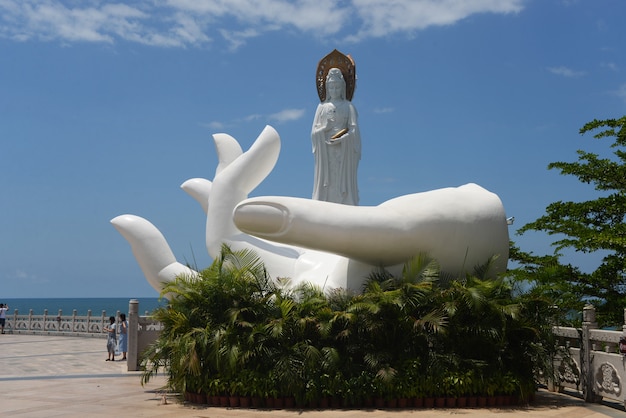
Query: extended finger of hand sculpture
[
  {"x": 151, "y": 250},
  {"x": 460, "y": 227}
]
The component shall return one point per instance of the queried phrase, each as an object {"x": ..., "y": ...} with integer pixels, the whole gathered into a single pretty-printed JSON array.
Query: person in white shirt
[{"x": 3, "y": 315}]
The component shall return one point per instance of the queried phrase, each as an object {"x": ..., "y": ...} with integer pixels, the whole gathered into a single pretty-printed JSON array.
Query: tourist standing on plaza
[
  {"x": 123, "y": 331},
  {"x": 111, "y": 338},
  {"x": 3, "y": 315}
]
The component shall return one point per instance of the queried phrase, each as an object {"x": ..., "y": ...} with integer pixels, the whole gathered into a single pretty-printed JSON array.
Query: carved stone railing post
[
  {"x": 133, "y": 335},
  {"x": 586, "y": 356},
  {"x": 45, "y": 320},
  {"x": 88, "y": 320},
  {"x": 104, "y": 320},
  {"x": 59, "y": 318},
  {"x": 74, "y": 314},
  {"x": 14, "y": 323}
]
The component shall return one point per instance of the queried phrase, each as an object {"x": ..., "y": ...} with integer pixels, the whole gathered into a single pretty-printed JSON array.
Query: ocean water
[{"x": 82, "y": 305}]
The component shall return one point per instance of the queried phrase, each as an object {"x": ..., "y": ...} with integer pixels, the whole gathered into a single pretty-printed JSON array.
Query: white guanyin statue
[
  {"x": 328, "y": 244},
  {"x": 335, "y": 134}
]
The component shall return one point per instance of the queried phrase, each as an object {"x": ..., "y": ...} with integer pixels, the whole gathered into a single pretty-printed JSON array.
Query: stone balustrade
[
  {"x": 89, "y": 325},
  {"x": 73, "y": 325},
  {"x": 591, "y": 362}
]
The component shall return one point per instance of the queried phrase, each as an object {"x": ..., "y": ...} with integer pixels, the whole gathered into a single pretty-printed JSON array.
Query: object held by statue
[{"x": 339, "y": 134}]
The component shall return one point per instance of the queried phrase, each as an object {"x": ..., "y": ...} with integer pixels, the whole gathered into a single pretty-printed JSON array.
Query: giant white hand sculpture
[{"x": 327, "y": 244}]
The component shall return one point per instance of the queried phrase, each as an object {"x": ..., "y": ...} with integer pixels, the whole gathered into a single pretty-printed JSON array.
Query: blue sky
[{"x": 107, "y": 108}]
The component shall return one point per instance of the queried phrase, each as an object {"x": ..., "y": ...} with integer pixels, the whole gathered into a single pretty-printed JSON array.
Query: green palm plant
[
  {"x": 396, "y": 314},
  {"x": 205, "y": 323},
  {"x": 232, "y": 326},
  {"x": 486, "y": 328}
]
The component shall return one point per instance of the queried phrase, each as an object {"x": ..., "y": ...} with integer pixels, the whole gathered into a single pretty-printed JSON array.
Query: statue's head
[
  {"x": 336, "y": 61},
  {"x": 335, "y": 84}
]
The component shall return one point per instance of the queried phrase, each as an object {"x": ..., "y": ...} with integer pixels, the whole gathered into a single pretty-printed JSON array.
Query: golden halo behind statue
[{"x": 345, "y": 63}]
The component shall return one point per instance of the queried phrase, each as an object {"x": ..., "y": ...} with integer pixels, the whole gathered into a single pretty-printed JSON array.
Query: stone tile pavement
[{"x": 49, "y": 376}]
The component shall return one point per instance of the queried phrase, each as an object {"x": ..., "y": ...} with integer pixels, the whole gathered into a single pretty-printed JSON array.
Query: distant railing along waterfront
[{"x": 89, "y": 325}]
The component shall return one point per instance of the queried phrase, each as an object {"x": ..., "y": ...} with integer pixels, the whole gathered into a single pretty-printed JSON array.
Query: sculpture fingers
[
  {"x": 199, "y": 189},
  {"x": 228, "y": 150},
  {"x": 151, "y": 250},
  {"x": 248, "y": 170},
  {"x": 461, "y": 226},
  {"x": 234, "y": 182}
]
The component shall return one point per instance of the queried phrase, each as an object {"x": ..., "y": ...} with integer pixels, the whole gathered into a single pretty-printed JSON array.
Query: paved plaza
[{"x": 50, "y": 376}]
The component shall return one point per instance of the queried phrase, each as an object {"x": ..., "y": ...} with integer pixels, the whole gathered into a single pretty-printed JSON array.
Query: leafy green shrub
[{"x": 233, "y": 329}]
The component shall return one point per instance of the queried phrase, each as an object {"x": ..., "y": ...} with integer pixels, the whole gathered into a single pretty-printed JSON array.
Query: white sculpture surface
[{"x": 329, "y": 244}]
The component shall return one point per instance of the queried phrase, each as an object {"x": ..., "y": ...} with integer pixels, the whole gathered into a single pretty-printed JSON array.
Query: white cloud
[
  {"x": 252, "y": 117},
  {"x": 23, "y": 276},
  {"x": 214, "y": 125},
  {"x": 48, "y": 20},
  {"x": 322, "y": 16},
  {"x": 20, "y": 274},
  {"x": 610, "y": 65},
  {"x": 621, "y": 92},
  {"x": 384, "y": 17},
  {"x": 287, "y": 115},
  {"x": 188, "y": 29},
  {"x": 184, "y": 23},
  {"x": 566, "y": 72},
  {"x": 238, "y": 38},
  {"x": 383, "y": 110}
]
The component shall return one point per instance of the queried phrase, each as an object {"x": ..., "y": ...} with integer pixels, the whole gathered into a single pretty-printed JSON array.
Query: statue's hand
[
  {"x": 236, "y": 175},
  {"x": 460, "y": 227},
  {"x": 335, "y": 244},
  {"x": 338, "y": 137}
]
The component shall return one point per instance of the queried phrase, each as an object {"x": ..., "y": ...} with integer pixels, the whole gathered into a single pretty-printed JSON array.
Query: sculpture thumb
[
  {"x": 200, "y": 190},
  {"x": 151, "y": 250}
]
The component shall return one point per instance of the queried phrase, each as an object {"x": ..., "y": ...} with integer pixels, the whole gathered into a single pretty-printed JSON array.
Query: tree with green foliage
[
  {"x": 550, "y": 284},
  {"x": 593, "y": 225}
]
